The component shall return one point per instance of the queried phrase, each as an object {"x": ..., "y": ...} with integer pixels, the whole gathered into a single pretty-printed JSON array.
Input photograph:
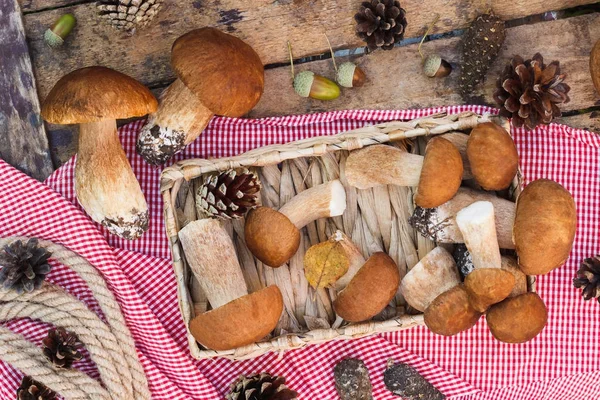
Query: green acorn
[
  {"x": 308, "y": 84},
  {"x": 55, "y": 36}
]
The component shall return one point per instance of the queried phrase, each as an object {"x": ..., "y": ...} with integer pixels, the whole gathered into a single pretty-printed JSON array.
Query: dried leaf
[{"x": 325, "y": 263}]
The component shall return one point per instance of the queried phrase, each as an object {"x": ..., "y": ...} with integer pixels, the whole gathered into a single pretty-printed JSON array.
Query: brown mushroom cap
[
  {"x": 544, "y": 229},
  {"x": 517, "y": 319},
  {"x": 371, "y": 289},
  {"x": 492, "y": 156},
  {"x": 441, "y": 174},
  {"x": 487, "y": 286},
  {"x": 451, "y": 313},
  {"x": 271, "y": 236},
  {"x": 595, "y": 65},
  {"x": 224, "y": 73},
  {"x": 221, "y": 329},
  {"x": 94, "y": 94}
]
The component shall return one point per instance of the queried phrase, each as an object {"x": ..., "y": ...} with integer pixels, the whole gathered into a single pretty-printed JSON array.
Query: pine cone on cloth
[
  {"x": 34, "y": 390},
  {"x": 61, "y": 348},
  {"x": 261, "y": 387},
  {"x": 529, "y": 91},
  {"x": 588, "y": 278},
  {"x": 381, "y": 23},
  {"x": 229, "y": 194},
  {"x": 24, "y": 266},
  {"x": 129, "y": 14}
]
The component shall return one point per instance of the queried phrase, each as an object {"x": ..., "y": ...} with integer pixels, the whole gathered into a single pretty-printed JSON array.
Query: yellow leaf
[{"x": 325, "y": 263}]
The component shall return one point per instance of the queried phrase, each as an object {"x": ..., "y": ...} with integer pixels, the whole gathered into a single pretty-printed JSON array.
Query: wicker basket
[{"x": 376, "y": 219}]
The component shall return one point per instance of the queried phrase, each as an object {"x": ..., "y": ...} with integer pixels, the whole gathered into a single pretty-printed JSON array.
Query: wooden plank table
[{"x": 395, "y": 80}]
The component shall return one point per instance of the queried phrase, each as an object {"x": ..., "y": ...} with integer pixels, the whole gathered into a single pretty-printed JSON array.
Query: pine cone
[
  {"x": 480, "y": 47},
  {"x": 61, "y": 348},
  {"x": 529, "y": 91},
  {"x": 381, "y": 23},
  {"x": 261, "y": 387},
  {"x": 129, "y": 14},
  {"x": 229, "y": 194},
  {"x": 588, "y": 278},
  {"x": 24, "y": 266},
  {"x": 34, "y": 390}
]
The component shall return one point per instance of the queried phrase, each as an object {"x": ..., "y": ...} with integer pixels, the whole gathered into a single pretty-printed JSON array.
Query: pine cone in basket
[
  {"x": 61, "y": 348},
  {"x": 24, "y": 266},
  {"x": 261, "y": 387},
  {"x": 381, "y": 23},
  {"x": 588, "y": 278},
  {"x": 34, "y": 390},
  {"x": 129, "y": 14},
  {"x": 529, "y": 91},
  {"x": 229, "y": 194}
]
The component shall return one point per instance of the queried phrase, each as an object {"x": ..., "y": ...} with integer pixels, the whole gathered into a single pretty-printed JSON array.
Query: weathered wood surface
[
  {"x": 23, "y": 142},
  {"x": 264, "y": 24}
]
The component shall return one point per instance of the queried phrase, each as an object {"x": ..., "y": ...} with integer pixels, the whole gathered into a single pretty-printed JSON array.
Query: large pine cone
[
  {"x": 34, "y": 390},
  {"x": 261, "y": 387},
  {"x": 381, "y": 23},
  {"x": 129, "y": 14},
  {"x": 588, "y": 278},
  {"x": 61, "y": 348},
  {"x": 529, "y": 91},
  {"x": 230, "y": 194},
  {"x": 24, "y": 266}
]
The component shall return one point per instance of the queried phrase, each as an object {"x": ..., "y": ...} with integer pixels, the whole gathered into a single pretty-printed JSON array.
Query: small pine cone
[
  {"x": 261, "y": 387},
  {"x": 229, "y": 194},
  {"x": 128, "y": 14},
  {"x": 61, "y": 348},
  {"x": 34, "y": 390},
  {"x": 588, "y": 278},
  {"x": 24, "y": 266},
  {"x": 529, "y": 91},
  {"x": 381, "y": 23}
]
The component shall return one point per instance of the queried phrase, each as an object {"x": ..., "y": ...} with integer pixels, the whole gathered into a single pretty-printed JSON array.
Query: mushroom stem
[
  {"x": 321, "y": 201},
  {"x": 179, "y": 120},
  {"x": 439, "y": 224},
  {"x": 211, "y": 256},
  {"x": 476, "y": 223},
  {"x": 355, "y": 258},
  {"x": 105, "y": 184}
]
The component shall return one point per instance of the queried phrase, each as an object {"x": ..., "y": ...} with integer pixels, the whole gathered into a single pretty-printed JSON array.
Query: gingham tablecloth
[{"x": 561, "y": 363}]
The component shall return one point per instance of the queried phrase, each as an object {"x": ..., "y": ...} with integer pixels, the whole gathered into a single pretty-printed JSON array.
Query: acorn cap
[
  {"x": 487, "y": 286},
  {"x": 517, "y": 319},
  {"x": 303, "y": 82},
  {"x": 544, "y": 228},
  {"x": 240, "y": 322},
  {"x": 94, "y": 94},
  {"x": 271, "y": 236},
  {"x": 451, "y": 312},
  {"x": 492, "y": 156},
  {"x": 371, "y": 289},
  {"x": 224, "y": 72},
  {"x": 441, "y": 174}
]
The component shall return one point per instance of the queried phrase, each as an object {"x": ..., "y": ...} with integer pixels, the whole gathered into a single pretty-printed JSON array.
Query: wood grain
[
  {"x": 40, "y": 5},
  {"x": 23, "y": 142},
  {"x": 264, "y": 24}
]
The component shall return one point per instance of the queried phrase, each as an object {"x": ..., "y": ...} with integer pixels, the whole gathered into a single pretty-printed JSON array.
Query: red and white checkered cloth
[{"x": 561, "y": 363}]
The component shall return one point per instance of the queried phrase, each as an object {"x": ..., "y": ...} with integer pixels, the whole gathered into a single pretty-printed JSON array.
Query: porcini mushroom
[
  {"x": 211, "y": 256},
  {"x": 274, "y": 237},
  {"x": 544, "y": 228},
  {"x": 451, "y": 312},
  {"x": 217, "y": 74},
  {"x": 437, "y": 175},
  {"x": 431, "y": 276},
  {"x": 492, "y": 156},
  {"x": 517, "y": 319},
  {"x": 107, "y": 189},
  {"x": 510, "y": 264},
  {"x": 439, "y": 224}
]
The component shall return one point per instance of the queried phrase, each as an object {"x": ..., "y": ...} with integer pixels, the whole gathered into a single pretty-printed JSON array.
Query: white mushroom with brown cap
[
  {"x": 107, "y": 189},
  {"x": 218, "y": 74},
  {"x": 274, "y": 236},
  {"x": 210, "y": 253},
  {"x": 437, "y": 175}
]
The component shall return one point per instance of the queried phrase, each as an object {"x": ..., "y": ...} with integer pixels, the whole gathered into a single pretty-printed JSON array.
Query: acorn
[
  {"x": 435, "y": 66},
  {"x": 348, "y": 74},
  {"x": 309, "y": 84},
  {"x": 55, "y": 36}
]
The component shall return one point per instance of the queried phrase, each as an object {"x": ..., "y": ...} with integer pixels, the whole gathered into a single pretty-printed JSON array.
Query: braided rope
[{"x": 72, "y": 384}]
